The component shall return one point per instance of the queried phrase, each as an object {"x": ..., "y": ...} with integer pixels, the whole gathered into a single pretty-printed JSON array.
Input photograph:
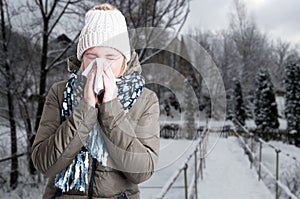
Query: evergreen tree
[
  {"x": 189, "y": 110},
  {"x": 292, "y": 104},
  {"x": 238, "y": 102},
  {"x": 250, "y": 105},
  {"x": 265, "y": 107},
  {"x": 229, "y": 105}
]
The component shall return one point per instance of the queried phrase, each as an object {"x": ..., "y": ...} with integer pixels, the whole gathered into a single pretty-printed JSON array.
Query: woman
[{"x": 92, "y": 145}]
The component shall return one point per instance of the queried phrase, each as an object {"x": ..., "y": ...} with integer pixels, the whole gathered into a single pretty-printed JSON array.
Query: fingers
[
  {"x": 108, "y": 76},
  {"x": 91, "y": 79},
  {"x": 109, "y": 84},
  {"x": 89, "y": 94}
]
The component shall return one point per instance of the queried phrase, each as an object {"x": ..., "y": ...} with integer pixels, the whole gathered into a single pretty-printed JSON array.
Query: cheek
[
  {"x": 116, "y": 67},
  {"x": 85, "y": 63}
]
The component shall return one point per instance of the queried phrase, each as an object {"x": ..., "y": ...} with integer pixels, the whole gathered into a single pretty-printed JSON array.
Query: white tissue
[{"x": 101, "y": 64}]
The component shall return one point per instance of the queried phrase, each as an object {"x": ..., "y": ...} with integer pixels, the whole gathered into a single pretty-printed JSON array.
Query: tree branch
[
  {"x": 39, "y": 3},
  {"x": 9, "y": 21},
  {"x": 53, "y": 63},
  {"x": 58, "y": 18},
  {"x": 158, "y": 51},
  {"x": 46, "y": 6},
  {"x": 52, "y": 9}
]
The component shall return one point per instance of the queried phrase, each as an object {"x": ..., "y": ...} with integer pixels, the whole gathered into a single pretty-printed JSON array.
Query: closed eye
[
  {"x": 91, "y": 56},
  {"x": 112, "y": 57}
]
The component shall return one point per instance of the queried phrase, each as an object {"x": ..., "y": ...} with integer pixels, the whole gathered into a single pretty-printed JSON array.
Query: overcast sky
[{"x": 278, "y": 18}]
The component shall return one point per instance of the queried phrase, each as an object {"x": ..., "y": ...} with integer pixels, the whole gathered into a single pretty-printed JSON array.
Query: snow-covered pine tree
[
  {"x": 238, "y": 103},
  {"x": 265, "y": 107},
  {"x": 250, "y": 105},
  {"x": 292, "y": 96},
  {"x": 189, "y": 110}
]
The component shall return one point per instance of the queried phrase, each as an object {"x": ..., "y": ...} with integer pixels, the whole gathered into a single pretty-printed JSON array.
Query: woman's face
[{"x": 114, "y": 58}]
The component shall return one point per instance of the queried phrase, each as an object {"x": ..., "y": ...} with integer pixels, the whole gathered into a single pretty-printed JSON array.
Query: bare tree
[
  {"x": 280, "y": 54},
  {"x": 252, "y": 46},
  {"x": 163, "y": 14},
  {"x": 51, "y": 13},
  {"x": 29, "y": 83},
  {"x": 25, "y": 85},
  {"x": 19, "y": 54},
  {"x": 8, "y": 75}
]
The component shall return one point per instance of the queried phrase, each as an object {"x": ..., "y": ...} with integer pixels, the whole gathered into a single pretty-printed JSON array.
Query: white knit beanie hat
[{"x": 104, "y": 28}]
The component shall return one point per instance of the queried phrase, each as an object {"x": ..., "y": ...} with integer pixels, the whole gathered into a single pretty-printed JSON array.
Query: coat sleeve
[
  {"x": 132, "y": 149},
  {"x": 56, "y": 144}
]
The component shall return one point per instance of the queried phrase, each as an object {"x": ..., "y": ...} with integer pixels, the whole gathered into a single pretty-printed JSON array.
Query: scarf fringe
[{"x": 76, "y": 173}]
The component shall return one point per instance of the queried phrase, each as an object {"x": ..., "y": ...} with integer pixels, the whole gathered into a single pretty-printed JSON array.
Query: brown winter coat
[{"x": 132, "y": 141}]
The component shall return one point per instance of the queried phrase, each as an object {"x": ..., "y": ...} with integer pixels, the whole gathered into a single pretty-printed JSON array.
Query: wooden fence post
[
  {"x": 196, "y": 176},
  {"x": 251, "y": 152},
  {"x": 185, "y": 181},
  {"x": 260, "y": 159},
  {"x": 277, "y": 172}
]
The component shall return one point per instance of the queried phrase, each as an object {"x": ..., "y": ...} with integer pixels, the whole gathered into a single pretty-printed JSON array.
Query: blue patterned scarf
[{"x": 75, "y": 175}]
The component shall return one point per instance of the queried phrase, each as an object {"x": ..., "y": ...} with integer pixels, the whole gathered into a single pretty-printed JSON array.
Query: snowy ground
[
  {"x": 172, "y": 155},
  {"x": 289, "y": 166},
  {"x": 288, "y": 156},
  {"x": 227, "y": 172}
]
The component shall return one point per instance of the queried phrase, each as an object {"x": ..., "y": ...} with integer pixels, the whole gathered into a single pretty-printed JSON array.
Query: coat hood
[{"x": 132, "y": 66}]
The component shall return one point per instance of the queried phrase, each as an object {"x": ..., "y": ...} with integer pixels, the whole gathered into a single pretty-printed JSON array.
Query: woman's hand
[
  {"x": 110, "y": 87},
  {"x": 89, "y": 94}
]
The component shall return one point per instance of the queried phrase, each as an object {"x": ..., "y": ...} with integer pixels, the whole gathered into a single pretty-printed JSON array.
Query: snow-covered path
[{"x": 228, "y": 174}]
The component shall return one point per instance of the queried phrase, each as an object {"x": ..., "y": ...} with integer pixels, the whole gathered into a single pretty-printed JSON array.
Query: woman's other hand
[{"x": 110, "y": 87}]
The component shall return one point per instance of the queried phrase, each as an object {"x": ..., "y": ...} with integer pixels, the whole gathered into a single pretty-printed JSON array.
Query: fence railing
[
  {"x": 189, "y": 192},
  {"x": 261, "y": 165}
]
